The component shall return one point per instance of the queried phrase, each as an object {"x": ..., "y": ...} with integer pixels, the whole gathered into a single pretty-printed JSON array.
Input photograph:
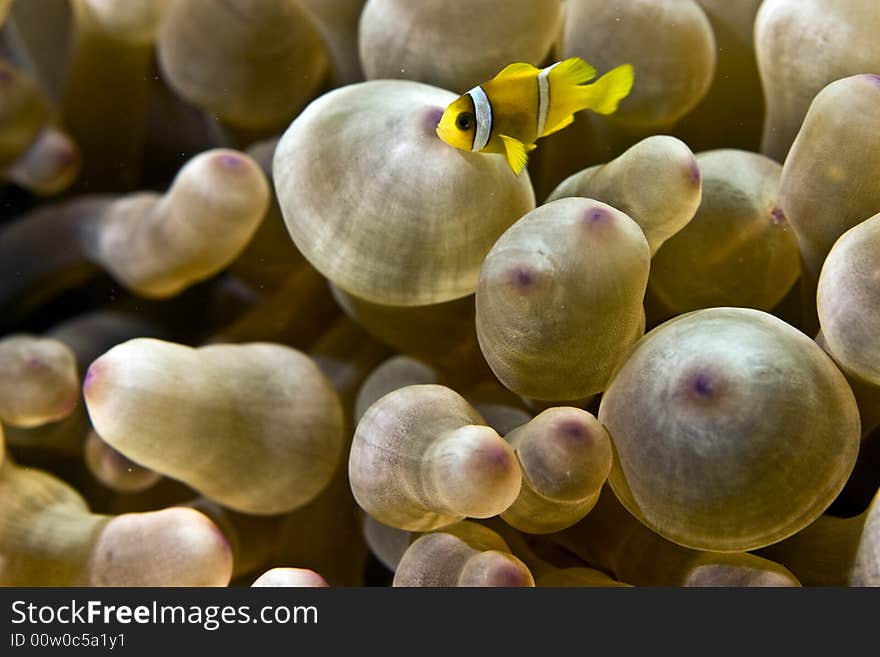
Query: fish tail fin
[
  {"x": 515, "y": 151},
  {"x": 605, "y": 94},
  {"x": 602, "y": 96}
]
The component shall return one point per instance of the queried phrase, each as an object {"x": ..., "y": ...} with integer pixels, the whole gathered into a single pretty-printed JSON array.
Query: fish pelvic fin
[
  {"x": 515, "y": 151},
  {"x": 605, "y": 94}
]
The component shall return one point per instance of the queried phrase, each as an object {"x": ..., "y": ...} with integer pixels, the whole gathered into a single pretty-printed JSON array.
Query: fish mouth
[{"x": 443, "y": 134}]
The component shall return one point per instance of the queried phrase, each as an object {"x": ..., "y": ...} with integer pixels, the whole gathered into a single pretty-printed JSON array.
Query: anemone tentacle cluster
[{"x": 267, "y": 319}]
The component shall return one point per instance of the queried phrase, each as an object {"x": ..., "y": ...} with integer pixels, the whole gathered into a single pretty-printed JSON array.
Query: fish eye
[{"x": 464, "y": 121}]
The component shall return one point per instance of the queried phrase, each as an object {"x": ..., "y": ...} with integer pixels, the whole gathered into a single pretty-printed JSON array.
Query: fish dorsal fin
[
  {"x": 573, "y": 70},
  {"x": 519, "y": 68},
  {"x": 516, "y": 153}
]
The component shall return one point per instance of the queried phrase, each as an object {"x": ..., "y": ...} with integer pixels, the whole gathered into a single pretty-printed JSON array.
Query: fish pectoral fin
[
  {"x": 564, "y": 123},
  {"x": 516, "y": 153},
  {"x": 530, "y": 147},
  {"x": 573, "y": 70},
  {"x": 519, "y": 68}
]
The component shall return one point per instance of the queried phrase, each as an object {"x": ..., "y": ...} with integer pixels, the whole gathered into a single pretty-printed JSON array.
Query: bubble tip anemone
[
  {"x": 90, "y": 381},
  {"x": 694, "y": 171},
  {"x": 777, "y": 216},
  {"x": 873, "y": 78}
]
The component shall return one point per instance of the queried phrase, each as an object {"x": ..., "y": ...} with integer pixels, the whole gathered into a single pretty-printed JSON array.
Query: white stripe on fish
[
  {"x": 543, "y": 97},
  {"x": 483, "y": 115}
]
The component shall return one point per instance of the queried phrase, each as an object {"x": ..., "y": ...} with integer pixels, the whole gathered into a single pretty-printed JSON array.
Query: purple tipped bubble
[
  {"x": 506, "y": 575},
  {"x": 777, "y": 216},
  {"x": 573, "y": 430},
  {"x": 874, "y": 78},
  {"x": 596, "y": 215},
  {"x": 695, "y": 172},
  {"x": 64, "y": 157},
  {"x": 230, "y": 161},
  {"x": 523, "y": 278},
  {"x": 432, "y": 118},
  {"x": 89, "y": 379},
  {"x": 495, "y": 456},
  {"x": 702, "y": 385}
]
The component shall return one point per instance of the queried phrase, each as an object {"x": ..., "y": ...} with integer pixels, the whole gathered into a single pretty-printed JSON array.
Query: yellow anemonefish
[{"x": 522, "y": 103}]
